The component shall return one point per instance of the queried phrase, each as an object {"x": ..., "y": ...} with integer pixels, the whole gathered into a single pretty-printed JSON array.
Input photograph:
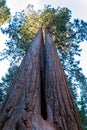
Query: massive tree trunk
[
  {"x": 23, "y": 99},
  {"x": 39, "y": 97},
  {"x": 60, "y": 105}
]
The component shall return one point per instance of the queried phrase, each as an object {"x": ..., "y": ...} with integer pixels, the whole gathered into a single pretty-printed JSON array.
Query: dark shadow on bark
[{"x": 42, "y": 72}]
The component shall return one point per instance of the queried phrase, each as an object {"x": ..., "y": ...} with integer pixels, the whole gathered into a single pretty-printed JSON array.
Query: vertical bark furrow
[{"x": 42, "y": 73}]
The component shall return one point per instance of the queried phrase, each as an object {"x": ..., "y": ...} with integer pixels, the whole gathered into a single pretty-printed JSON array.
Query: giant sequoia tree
[
  {"x": 39, "y": 97},
  {"x": 67, "y": 36}
]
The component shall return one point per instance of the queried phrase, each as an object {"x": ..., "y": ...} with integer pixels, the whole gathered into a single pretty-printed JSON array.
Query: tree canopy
[
  {"x": 66, "y": 34},
  {"x": 4, "y": 12}
]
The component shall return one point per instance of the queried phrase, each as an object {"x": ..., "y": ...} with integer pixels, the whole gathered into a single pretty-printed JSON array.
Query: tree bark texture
[
  {"x": 60, "y": 105},
  {"x": 39, "y": 97}
]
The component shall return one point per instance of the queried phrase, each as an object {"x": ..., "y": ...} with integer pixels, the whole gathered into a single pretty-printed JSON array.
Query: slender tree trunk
[{"x": 39, "y": 97}]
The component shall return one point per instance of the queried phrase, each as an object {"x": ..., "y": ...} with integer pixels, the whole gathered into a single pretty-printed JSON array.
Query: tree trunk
[
  {"x": 39, "y": 97},
  {"x": 60, "y": 105}
]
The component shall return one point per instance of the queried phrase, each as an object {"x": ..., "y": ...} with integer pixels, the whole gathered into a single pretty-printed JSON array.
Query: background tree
[
  {"x": 66, "y": 34},
  {"x": 6, "y": 81},
  {"x": 4, "y": 12}
]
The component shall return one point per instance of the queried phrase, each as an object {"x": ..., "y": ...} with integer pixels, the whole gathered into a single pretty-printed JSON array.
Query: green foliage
[
  {"x": 66, "y": 34},
  {"x": 6, "y": 81},
  {"x": 1, "y": 93},
  {"x": 4, "y": 12},
  {"x": 83, "y": 113},
  {"x": 13, "y": 52}
]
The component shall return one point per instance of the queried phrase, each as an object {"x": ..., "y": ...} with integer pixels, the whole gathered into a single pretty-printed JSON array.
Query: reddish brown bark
[
  {"x": 23, "y": 100},
  {"x": 60, "y": 105},
  {"x": 39, "y": 97}
]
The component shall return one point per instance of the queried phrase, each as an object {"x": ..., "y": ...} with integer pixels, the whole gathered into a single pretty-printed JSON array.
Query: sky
[{"x": 78, "y": 8}]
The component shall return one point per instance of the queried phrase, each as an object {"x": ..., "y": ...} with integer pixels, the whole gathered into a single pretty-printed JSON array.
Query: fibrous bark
[
  {"x": 22, "y": 103},
  {"x": 60, "y": 105},
  {"x": 39, "y": 97}
]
